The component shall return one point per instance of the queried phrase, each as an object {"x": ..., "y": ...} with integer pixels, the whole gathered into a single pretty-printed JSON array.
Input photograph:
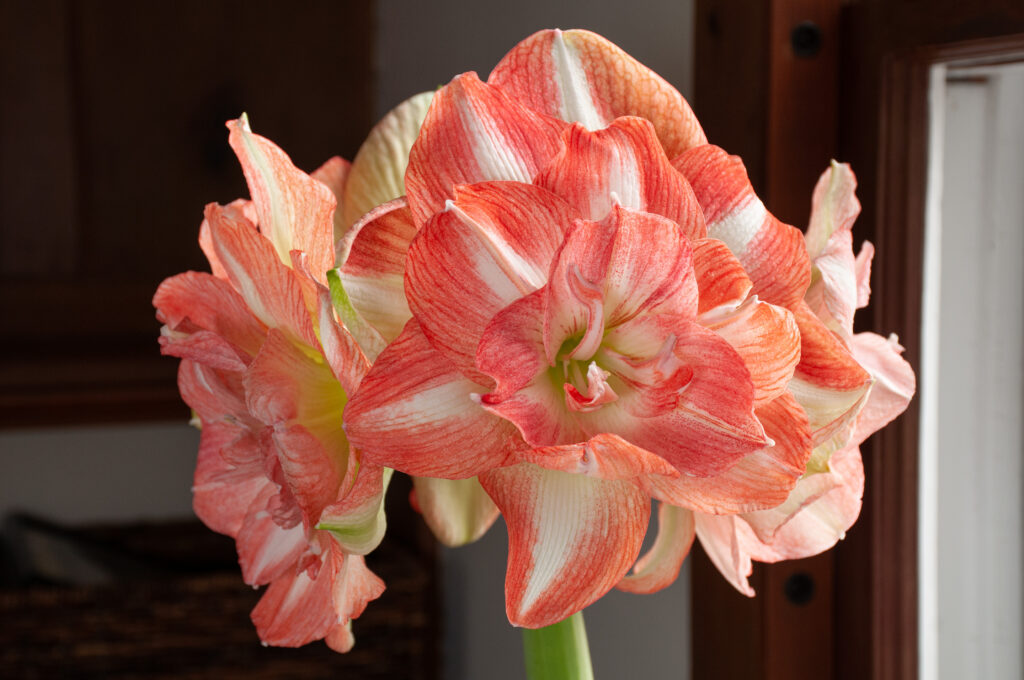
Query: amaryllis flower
[
  {"x": 267, "y": 368},
  {"x": 587, "y": 307},
  {"x": 827, "y": 499}
]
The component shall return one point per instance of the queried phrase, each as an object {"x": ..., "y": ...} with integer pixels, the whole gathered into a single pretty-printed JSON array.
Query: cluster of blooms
[{"x": 545, "y": 296}]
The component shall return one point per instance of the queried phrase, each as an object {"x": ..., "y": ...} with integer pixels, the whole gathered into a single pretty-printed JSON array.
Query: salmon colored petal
[
  {"x": 768, "y": 339},
  {"x": 296, "y": 609},
  {"x": 721, "y": 280},
  {"x": 458, "y": 511},
  {"x": 571, "y": 538},
  {"x": 302, "y": 401},
  {"x": 215, "y": 395},
  {"x": 296, "y": 212},
  {"x": 863, "y": 267},
  {"x": 605, "y": 456},
  {"x": 270, "y": 289},
  {"x": 267, "y": 551},
  {"x": 356, "y": 520},
  {"x": 373, "y": 267},
  {"x": 718, "y": 536},
  {"x": 609, "y": 272},
  {"x": 192, "y": 302},
  {"x": 416, "y": 412},
  {"x": 238, "y": 210},
  {"x": 623, "y": 162},
  {"x": 818, "y": 524},
  {"x": 223, "y": 491},
  {"x": 343, "y": 353},
  {"x": 893, "y": 386},
  {"x": 334, "y": 175},
  {"x": 378, "y": 170},
  {"x": 659, "y": 567},
  {"x": 772, "y": 253},
  {"x": 354, "y": 586},
  {"x": 580, "y": 76},
  {"x": 762, "y": 479},
  {"x": 828, "y": 381},
  {"x": 834, "y": 207},
  {"x": 474, "y": 132},
  {"x": 490, "y": 246},
  {"x": 708, "y": 425}
]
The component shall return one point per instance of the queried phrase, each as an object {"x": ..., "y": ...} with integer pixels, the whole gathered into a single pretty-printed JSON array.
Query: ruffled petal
[
  {"x": 373, "y": 267},
  {"x": 893, "y": 386},
  {"x": 622, "y": 163},
  {"x": 659, "y": 567},
  {"x": 378, "y": 170},
  {"x": 571, "y": 538},
  {"x": 718, "y": 536},
  {"x": 721, "y": 280},
  {"x": 474, "y": 132},
  {"x": 238, "y": 210},
  {"x": 357, "y": 521},
  {"x": 229, "y": 476},
  {"x": 266, "y": 550},
  {"x": 416, "y": 412},
  {"x": 773, "y": 253},
  {"x": 605, "y": 456},
  {"x": 296, "y": 212},
  {"x": 580, "y": 76},
  {"x": 354, "y": 586},
  {"x": 490, "y": 246},
  {"x": 762, "y": 479},
  {"x": 458, "y": 511}
]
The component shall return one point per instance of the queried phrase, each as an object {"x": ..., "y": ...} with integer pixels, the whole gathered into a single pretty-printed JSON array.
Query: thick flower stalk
[
  {"x": 588, "y": 308},
  {"x": 267, "y": 367}
]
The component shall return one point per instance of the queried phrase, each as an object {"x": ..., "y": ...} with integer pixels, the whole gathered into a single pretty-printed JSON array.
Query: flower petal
[
  {"x": 267, "y": 551},
  {"x": 720, "y": 277},
  {"x": 416, "y": 412},
  {"x": 490, "y": 246},
  {"x": 625, "y": 163},
  {"x": 378, "y": 170},
  {"x": 605, "y": 456},
  {"x": 357, "y": 520},
  {"x": 580, "y": 76},
  {"x": 571, "y": 538},
  {"x": 893, "y": 386},
  {"x": 334, "y": 175},
  {"x": 718, "y": 536},
  {"x": 772, "y": 253},
  {"x": 659, "y": 567},
  {"x": 474, "y": 132},
  {"x": 373, "y": 267},
  {"x": 296, "y": 212},
  {"x": 458, "y": 511},
  {"x": 353, "y": 588}
]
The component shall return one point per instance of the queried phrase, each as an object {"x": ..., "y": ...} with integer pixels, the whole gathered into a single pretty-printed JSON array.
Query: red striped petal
[
  {"x": 334, "y": 175},
  {"x": 580, "y": 76},
  {"x": 605, "y": 456},
  {"x": 773, "y": 253},
  {"x": 571, "y": 538},
  {"x": 624, "y": 161},
  {"x": 474, "y": 132},
  {"x": 718, "y": 536},
  {"x": 659, "y": 567},
  {"x": 721, "y": 280},
  {"x": 416, "y": 412}
]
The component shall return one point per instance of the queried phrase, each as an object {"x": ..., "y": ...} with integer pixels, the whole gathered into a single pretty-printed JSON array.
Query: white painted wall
[{"x": 972, "y": 441}]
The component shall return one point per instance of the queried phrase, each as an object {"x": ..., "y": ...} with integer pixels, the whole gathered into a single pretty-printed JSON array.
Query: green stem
[{"x": 558, "y": 652}]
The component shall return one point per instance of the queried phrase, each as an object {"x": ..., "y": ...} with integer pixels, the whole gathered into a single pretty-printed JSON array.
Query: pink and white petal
[
  {"x": 334, "y": 175},
  {"x": 240, "y": 209},
  {"x": 893, "y": 387},
  {"x": 719, "y": 537},
  {"x": 475, "y": 132},
  {"x": 356, "y": 520},
  {"x": 313, "y": 468},
  {"x": 296, "y": 212},
  {"x": 773, "y": 253},
  {"x": 833, "y": 291},
  {"x": 818, "y": 524},
  {"x": 266, "y": 550},
  {"x": 863, "y": 267},
  {"x": 712, "y": 424},
  {"x": 208, "y": 303},
  {"x": 625, "y": 163},
  {"x": 512, "y": 353},
  {"x": 373, "y": 267},
  {"x": 378, "y": 170},
  {"x": 205, "y": 347},
  {"x": 216, "y": 396},
  {"x": 270, "y": 289},
  {"x": 762, "y": 479},
  {"x": 721, "y": 280},
  {"x": 659, "y": 567},
  {"x": 768, "y": 339},
  {"x": 571, "y": 538},
  {"x": 353, "y": 587},
  {"x": 580, "y": 76},
  {"x": 604, "y": 456},
  {"x": 834, "y": 207},
  {"x": 458, "y": 511},
  {"x": 416, "y": 412},
  {"x": 490, "y": 246},
  {"x": 828, "y": 381},
  {"x": 222, "y": 492},
  {"x": 343, "y": 353},
  {"x": 297, "y": 609},
  {"x": 636, "y": 263}
]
